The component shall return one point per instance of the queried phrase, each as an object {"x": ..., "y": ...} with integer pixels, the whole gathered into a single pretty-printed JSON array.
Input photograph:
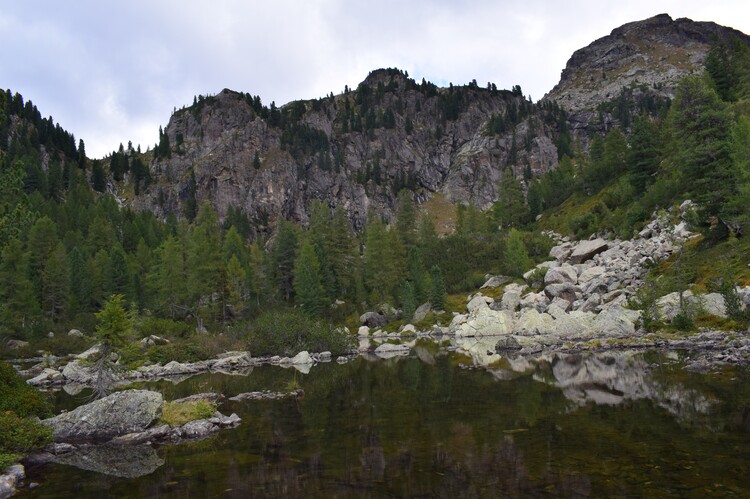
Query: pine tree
[
  {"x": 19, "y": 308},
  {"x": 168, "y": 279},
  {"x": 406, "y": 219},
  {"x": 308, "y": 288},
  {"x": 204, "y": 266},
  {"x": 56, "y": 283},
  {"x": 235, "y": 286},
  {"x": 516, "y": 260},
  {"x": 283, "y": 254},
  {"x": 437, "y": 288},
  {"x": 408, "y": 301},
  {"x": 509, "y": 210},
  {"x": 643, "y": 155}
]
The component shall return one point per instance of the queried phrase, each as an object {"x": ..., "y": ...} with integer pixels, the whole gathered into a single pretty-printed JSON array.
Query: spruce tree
[
  {"x": 308, "y": 288},
  {"x": 516, "y": 260},
  {"x": 437, "y": 288}
]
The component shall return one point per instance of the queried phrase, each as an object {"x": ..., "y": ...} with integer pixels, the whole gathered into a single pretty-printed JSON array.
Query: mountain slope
[{"x": 651, "y": 56}]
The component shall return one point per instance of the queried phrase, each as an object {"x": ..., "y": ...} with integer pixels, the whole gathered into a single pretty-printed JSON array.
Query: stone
[
  {"x": 512, "y": 296},
  {"x": 507, "y": 343},
  {"x": 75, "y": 333},
  {"x": 198, "y": 429},
  {"x": 590, "y": 273},
  {"x": 564, "y": 291},
  {"x": 586, "y": 250},
  {"x": 592, "y": 303},
  {"x": 561, "y": 252},
  {"x": 408, "y": 329},
  {"x": 16, "y": 344},
  {"x": 478, "y": 301},
  {"x": 76, "y": 372},
  {"x": 533, "y": 323},
  {"x": 152, "y": 434},
  {"x": 421, "y": 312},
  {"x": 212, "y": 397},
  {"x": 565, "y": 274},
  {"x": 538, "y": 301},
  {"x": 561, "y": 303},
  {"x": 495, "y": 281},
  {"x": 12, "y": 477},
  {"x": 154, "y": 340},
  {"x": 122, "y": 412},
  {"x": 47, "y": 376},
  {"x": 233, "y": 360},
  {"x": 373, "y": 320},
  {"x": 363, "y": 331},
  {"x": 302, "y": 358},
  {"x": 91, "y": 352},
  {"x": 485, "y": 322},
  {"x": 713, "y": 303},
  {"x": 616, "y": 321}
]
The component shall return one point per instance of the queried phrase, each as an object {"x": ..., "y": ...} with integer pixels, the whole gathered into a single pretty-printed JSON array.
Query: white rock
[{"x": 302, "y": 358}]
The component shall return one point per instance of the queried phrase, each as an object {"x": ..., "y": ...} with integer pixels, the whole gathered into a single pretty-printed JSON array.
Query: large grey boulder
[
  {"x": 512, "y": 296},
  {"x": 486, "y": 322},
  {"x": 373, "y": 320},
  {"x": 565, "y": 291},
  {"x": 586, "y": 250},
  {"x": 478, "y": 301},
  {"x": 79, "y": 373},
  {"x": 533, "y": 323},
  {"x": 565, "y": 274},
  {"x": 122, "y": 412}
]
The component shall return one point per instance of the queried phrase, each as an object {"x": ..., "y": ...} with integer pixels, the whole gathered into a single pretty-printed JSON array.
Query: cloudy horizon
[{"x": 110, "y": 73}]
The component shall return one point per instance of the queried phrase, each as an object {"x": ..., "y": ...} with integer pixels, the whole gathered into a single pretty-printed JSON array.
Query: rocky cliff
[
  {"x": 643, "y": 60},
  {"x": 355, "y": 150},
  {"x": 358, "y": 149}
]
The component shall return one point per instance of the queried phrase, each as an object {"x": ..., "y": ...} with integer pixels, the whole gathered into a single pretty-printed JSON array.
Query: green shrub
[
  {"x": 288, "y": 332},
  {"x": 17, "y": 396},
  {"x": 163, "y": 327},
  {"x": 179, "y": 413},
  {"x": 21, "y": 435}
]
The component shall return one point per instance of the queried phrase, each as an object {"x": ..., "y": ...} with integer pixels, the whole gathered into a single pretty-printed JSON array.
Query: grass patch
[
  {"x": 442, "y": 213},
  {"x": 179, "y": 413}
]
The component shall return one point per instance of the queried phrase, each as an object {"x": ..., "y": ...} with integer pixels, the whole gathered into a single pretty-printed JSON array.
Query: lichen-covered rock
[
  {"x": 122, "y": 412},
  {"x": 586, "y": 250}
]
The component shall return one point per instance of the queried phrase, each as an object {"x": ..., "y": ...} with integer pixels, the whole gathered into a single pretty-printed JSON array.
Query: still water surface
[{"x": 428, "y": 425}]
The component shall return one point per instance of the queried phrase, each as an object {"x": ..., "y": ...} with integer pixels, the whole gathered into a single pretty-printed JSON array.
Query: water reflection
[{"x": 589, "y": 425}]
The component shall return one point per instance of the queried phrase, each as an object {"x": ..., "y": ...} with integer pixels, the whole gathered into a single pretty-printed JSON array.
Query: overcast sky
[{"x": 112, "y": 71}]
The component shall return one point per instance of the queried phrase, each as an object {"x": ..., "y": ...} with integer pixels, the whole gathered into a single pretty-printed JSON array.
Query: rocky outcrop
[
  {"x": 648, "y": 57},
  {"x": 11, "y": 478},
  {"x": 353, "y": 150},
  {"x": 117, "y": 414}
]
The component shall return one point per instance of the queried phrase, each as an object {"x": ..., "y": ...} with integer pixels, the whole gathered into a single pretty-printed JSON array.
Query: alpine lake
[{"x": 446, "y": 420}]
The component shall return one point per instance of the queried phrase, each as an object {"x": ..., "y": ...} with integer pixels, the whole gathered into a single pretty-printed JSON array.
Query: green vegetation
[
  {"x": 18, "y": 403},
  {"x": 178, "y": 413}
]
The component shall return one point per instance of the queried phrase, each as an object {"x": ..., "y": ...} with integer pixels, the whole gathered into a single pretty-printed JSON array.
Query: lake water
[{"x": 434, "y": 424}]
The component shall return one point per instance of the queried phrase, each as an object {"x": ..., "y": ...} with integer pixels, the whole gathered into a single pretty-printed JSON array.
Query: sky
[{"x": 113, "y": 71}]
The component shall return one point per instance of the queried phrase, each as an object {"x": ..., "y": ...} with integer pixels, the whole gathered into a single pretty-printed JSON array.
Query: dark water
[{"x": 614, "y": 425}]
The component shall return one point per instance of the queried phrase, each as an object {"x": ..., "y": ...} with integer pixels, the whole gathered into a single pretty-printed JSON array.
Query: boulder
[
  {"x": 198, "y": 429},
  {"x": 565, "y": 274},
  {"x": 79, "y": 373},
  {"x": 363, "y": 331},
  {"x": 564, "y": 291},
  {"x": 154, "y": 340},
  {"x": 616, "y": 321},
  {"x": 586, "y": 250},
  {"x": 408, "y": 329},
  {"x": 421, "y": 312},
  {"x": 10, "y": 479},
  {"x": 91, "y": 352},
  {"x": 478, "y": 301},
  {"x": 122, "y": 412},
  {"x": 486, "y": 322},
  {"x": 561, "y": 252},
  {"x": 537, "y": 301},
  {"x": 302, "y": 358},
  {"x": 512, "y": 296},
  {"x": 590, "y": 273},
  {"x": 713, "y": 303},
  {"x": 495, "y": 281},
  {"x": 373, "y": 320},
  {"x": 75, "y": 333},
  {"x": 533, "y": 323},
  {"x": 233, "y": 360},
  {"x": 16, "y": 344},
  {"x": 46, "y": 377},
  {"x": 561, "y": 303}
]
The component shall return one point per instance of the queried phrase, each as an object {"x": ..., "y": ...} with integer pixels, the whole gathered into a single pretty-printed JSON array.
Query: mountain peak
[{"x": 654, "y": 53}]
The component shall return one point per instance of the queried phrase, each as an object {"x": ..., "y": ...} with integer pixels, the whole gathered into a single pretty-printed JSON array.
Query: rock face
[
  {"x": 353, "y": 150},
  {"x": 648, "y": 56},
  {"x": 120, "y": 413}
]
